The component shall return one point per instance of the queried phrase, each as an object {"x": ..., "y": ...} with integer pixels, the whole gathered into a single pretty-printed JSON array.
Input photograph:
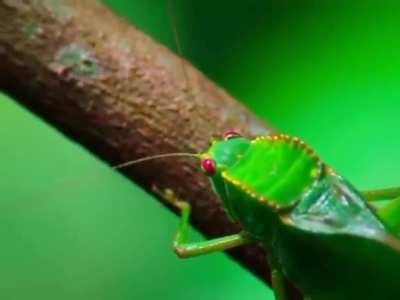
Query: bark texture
[{"x": 113, "y": 89}]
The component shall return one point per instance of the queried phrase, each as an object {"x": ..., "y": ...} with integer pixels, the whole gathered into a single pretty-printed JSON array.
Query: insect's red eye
[
  {"x": 230, "y": 134},
  {"x": 209, "y": 166}
]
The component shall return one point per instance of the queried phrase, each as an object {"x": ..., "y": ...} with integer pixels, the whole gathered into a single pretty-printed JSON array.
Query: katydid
[{"x": 321, "y": 233}]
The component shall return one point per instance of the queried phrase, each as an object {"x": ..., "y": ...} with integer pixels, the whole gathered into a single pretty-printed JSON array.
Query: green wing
[
  {"x": 333, "y": 206},
  {"x": 335, "y": 247}
]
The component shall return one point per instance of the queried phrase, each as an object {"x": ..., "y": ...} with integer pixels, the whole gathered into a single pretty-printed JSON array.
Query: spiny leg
[{"x": 185, "y": 250}]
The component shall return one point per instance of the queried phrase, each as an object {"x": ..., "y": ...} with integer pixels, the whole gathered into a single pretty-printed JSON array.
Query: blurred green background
[{"x": 327, "y": 72}]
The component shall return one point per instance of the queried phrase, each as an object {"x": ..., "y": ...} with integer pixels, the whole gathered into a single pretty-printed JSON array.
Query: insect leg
[
  {"x": 184, "y": 249},
  {"x": 382, "y": 194},
  {"x": 390, "y": 214},
  {"x": 278, "y": 284},
  {"x": 277, "y": 280}
]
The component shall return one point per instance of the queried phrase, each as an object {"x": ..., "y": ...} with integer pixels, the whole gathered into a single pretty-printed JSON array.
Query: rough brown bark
[{"x": 113, "y": 89}]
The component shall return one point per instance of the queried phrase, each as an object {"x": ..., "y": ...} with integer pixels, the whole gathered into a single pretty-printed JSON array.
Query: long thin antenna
[
  {"x": 178, "y": 43},
  {"x": 143, "y": 159},
  {"x": 92, "y": 175}
]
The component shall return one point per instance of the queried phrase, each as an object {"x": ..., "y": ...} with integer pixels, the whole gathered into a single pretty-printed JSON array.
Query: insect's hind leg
[
  {"x": 388, "y": 212},
  {"x": 185, "y": 250},
  {"x": 382, "y": 194},
  {"x": 390, "y": 215}
]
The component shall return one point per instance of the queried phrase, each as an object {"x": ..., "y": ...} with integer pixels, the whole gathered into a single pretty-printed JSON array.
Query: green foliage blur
[{"x": 327, "y": 71}]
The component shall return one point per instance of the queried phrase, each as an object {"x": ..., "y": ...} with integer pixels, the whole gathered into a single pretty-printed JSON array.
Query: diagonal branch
[{"x": 113, "y": 89}]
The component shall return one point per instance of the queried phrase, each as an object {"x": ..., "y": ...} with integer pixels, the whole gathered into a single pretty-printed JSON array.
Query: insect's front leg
[{"x": 184, "y": 249}]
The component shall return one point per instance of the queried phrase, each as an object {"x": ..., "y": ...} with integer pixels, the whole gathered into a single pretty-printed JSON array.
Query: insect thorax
[{"x": 263, "y": 176}]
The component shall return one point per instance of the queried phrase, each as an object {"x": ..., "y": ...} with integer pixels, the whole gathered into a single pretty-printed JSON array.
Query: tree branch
[{"x": 113, "y": 89}]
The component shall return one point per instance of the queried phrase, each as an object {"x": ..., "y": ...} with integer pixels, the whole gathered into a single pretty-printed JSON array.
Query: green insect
[{"x": 321, "y": 233}]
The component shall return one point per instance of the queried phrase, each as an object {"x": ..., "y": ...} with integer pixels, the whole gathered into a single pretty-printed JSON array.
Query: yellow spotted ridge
[{"x": 277, "y": 170}]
